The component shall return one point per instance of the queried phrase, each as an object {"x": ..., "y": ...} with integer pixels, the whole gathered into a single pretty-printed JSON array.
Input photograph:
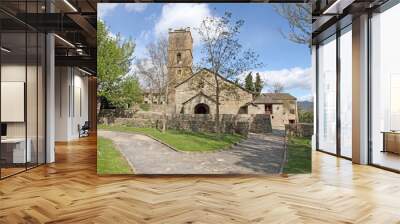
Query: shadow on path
[{"x": 258, "y": 154}]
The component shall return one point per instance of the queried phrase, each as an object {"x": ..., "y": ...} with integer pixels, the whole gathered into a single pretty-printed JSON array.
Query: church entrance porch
[{"x": 201, "y": 108}]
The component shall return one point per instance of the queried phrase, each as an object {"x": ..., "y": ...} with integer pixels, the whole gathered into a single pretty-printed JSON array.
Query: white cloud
[
  {"x": 104, "y": 9},
  {"x": 144, "y": 35},
  {"x": 292, "y": 78},
  {"x": 181, "y": 16},
  {"x": 135, "y": 7}
]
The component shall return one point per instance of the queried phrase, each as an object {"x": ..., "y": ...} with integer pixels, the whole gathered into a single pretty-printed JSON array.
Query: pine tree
[
  {"x": 248, "y": 82},
  {"x": 258, "y": 84}
]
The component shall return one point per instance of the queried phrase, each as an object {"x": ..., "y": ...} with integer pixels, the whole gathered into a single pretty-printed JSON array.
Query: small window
[
  {"x": 179, "y": 72},
  {"x": 179, "y": 58},
  {"x": 268, "y": 108},
  {"x": 244, "y": 110},
  {"x": 292, "y": 111}
]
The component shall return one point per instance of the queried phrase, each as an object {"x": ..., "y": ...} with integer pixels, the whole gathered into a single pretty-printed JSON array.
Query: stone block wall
[
  {"x": 300, "y": 129},
  {"x": 240, "y": 124}
]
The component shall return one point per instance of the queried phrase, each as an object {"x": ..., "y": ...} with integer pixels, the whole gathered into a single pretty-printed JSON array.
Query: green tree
[
  {"x": 248, "y": 82},
  {"x": 306, "y": 116},
  {"x": 131, "y": 92},
  {"x": 258, "y": 84},
  {"x": 114, "y": 58}
]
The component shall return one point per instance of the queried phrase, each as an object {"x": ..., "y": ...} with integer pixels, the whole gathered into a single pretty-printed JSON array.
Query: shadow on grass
[
  {"x": 183, "y": 140},
  {"x": 299, "y": 156}
]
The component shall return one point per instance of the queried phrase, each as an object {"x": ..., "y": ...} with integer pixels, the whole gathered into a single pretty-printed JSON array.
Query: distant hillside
[{"x": 305, "y": 106}]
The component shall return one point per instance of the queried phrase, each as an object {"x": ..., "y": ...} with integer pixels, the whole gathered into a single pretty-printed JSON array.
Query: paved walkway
[{"x": 259, "y": 154}]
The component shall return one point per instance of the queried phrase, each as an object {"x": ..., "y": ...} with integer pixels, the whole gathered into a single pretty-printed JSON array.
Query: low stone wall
[
  {"x": 143, "y": 120},
  {"x": 241, "y": 123},
  {"x": 300, "y": 129},
  {"x": 117, "y": 113}
]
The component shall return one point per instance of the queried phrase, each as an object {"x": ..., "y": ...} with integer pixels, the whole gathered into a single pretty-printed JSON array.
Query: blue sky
[{"x": 284, "y": 61}]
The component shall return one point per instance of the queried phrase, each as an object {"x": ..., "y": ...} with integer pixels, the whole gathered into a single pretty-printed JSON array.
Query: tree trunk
[
  {"x": 98, "y": 105},
  {"x": 165, "y": 106},
  {"x": 217, "y": 121}
]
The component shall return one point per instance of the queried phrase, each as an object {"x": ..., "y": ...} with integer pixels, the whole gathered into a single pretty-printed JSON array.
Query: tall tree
[
  {"x": 305, "y": 116},
  {"x": 114, "y": 57},
  {"x": 154, "y": 71},
  {"x": 223, "y": 54},
  {"x": 131, "y": 92},
  {"x": 248, "y": 82},
  {"x": 299, "y": 16},
  {"x": 258, "y": 84}
]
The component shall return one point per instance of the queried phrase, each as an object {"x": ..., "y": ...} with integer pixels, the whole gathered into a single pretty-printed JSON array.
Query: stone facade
[
  {"x": 151, "y": 97},
  {"x": 199, "y": 89},
  {"x": 281, "y": 106}
]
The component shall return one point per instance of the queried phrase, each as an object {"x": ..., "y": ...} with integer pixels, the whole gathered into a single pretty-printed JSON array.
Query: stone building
[
  {"x": 281, "y": 106},
  {"x": 153, "y": 97},
  {"x": 194, "y": 93}
]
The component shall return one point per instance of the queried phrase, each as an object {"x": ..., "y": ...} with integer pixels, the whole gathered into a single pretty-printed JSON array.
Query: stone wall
[
  {"x": 114, "y": 113},
  {"x": 240, "y": 124},
  {"x": 300, "y": 129}
]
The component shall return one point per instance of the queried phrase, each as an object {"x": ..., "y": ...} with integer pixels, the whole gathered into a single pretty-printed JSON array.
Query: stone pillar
[
  {"x": 314, "y": 91},
  {"x": 360, "y": 90},
  {"x": 50, "y": 92},
  {"x": 50, "y": 99}
]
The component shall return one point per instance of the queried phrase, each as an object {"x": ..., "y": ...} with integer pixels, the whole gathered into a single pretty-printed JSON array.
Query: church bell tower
[{"x": 180, "y": 60}]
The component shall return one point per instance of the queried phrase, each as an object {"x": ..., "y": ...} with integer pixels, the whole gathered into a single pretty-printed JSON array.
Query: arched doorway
[{"x": 201, "y": 108}]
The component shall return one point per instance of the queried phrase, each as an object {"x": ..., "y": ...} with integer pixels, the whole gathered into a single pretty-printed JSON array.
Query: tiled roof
[{"x": 273, "y": 97}]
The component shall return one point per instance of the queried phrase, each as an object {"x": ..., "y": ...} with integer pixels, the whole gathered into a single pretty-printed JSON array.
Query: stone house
[
  {"x": 281, "y": 106},
  {"x": 153, "y": 97}
]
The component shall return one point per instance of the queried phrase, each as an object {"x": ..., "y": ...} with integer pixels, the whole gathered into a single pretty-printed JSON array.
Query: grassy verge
[
  {"x": 109, "y": 159},
  {"x": 181, "y": 140},
  {"x": 299, "y": 156}
]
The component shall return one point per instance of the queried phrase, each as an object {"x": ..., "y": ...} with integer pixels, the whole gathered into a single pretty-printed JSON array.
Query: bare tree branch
[
  {"x": 223, "y": 54},
  {"x": 154, "y": 71},
  {"x": 276, "y": 87},
  {"x": 299, "y": 16}
]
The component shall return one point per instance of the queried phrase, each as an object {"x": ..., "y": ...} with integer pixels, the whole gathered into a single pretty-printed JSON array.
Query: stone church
[{"x": 194, "y": 93}]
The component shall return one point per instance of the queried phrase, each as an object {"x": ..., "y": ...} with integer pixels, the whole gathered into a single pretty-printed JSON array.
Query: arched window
[
  {"x": 201, "y": 108},
  {"x": 179, "y": 58}
]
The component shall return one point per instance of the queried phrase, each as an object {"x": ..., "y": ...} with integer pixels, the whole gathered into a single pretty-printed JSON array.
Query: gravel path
[{"x": 259, "y": 154}]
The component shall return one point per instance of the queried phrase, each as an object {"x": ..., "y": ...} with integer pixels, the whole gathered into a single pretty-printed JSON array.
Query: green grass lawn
[
  {"x": 299, "y": 156},
  {"x": 181, "y": 140},
  {"x": 109, "y": 159},
  {"x": 144, "y": 106}
]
